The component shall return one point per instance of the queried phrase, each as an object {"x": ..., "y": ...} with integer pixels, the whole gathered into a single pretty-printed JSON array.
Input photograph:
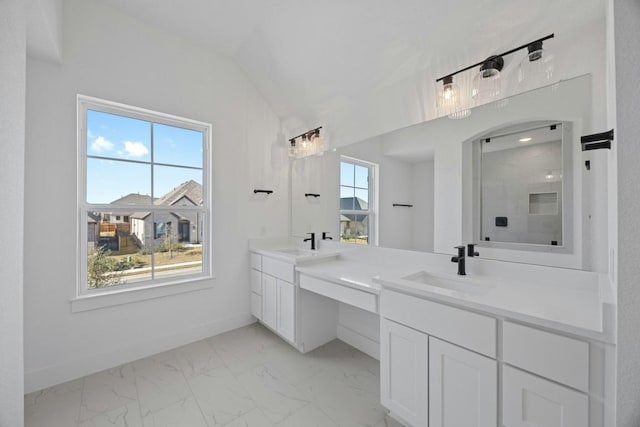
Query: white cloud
[
  {"x": 135, "y": 149},
  {"x": 101, "y": 145}
]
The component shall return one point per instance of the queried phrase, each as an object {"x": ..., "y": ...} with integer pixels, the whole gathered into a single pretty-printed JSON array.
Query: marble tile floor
[{"x": 248, "y": 377}]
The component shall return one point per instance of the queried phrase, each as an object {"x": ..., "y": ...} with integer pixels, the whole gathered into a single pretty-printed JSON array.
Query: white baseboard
[
  {"x": 89, "y": 364},
  {"x": 362, "y": 343}
]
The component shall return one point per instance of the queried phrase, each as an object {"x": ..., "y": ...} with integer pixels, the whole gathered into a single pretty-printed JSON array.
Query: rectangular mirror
[
  {"x": 435, "y": 185},
  {"x": 520, "y": 179}
]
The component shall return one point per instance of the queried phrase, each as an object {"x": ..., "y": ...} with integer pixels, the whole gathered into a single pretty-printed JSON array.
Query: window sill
[{"x": 115, "y": 297}]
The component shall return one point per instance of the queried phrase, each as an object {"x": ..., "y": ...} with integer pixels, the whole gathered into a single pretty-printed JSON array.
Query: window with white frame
[
  {"x": 357, "y": 201},
  {"x": 143, "y": 190}
]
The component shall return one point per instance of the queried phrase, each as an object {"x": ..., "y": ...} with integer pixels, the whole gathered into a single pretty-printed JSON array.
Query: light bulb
[
  {"x": 292, "y": 148},
  {"x": 448, "y": 98}
]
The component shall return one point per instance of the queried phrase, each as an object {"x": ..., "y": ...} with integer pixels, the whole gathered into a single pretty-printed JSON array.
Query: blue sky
[
  {"x": 121, "y": 138},
  {"x": 354, "y": 181}
]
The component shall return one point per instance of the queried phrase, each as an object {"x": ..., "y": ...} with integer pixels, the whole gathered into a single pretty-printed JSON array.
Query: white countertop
[
  {"x": 549, "y": 305},
  {"x": 357, "y": 275},
  {"x": 564, "y": 300},
  {"x": 294, "y": 255}
]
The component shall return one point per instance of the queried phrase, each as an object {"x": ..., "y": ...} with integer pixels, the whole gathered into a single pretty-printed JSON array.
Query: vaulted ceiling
[{"x": 308, "y": 57}]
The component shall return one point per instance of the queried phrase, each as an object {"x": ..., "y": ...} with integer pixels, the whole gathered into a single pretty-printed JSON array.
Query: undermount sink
[
  {"x": 462, "y": 284},
  {"x": 296, "y": 252}
]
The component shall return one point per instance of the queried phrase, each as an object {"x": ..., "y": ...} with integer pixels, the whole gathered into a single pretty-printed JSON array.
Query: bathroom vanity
[{"x": 496, "y": 347}]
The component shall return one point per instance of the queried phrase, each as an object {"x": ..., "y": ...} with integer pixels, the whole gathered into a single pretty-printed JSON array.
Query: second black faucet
[
  {"x": 313, "y": 241},
  {"x": 460, "y": 260}
]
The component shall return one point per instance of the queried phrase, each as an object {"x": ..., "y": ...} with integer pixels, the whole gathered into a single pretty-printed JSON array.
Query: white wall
[
  {"x": 115, "y": 57},
  {"x": 422, "y": 182},
  {"x": 627, "y": 62},
  {"x": 12, "y": 135},
  {"x": 44, "y": 29}
]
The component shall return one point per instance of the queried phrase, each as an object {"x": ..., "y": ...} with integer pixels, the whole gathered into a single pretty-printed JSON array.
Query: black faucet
[
  {"x": 460, "y": 260},
  {"x": 471, "y": 250},
  {"x": 325, "y": 237},
  {"x": 313, "y": 241}
]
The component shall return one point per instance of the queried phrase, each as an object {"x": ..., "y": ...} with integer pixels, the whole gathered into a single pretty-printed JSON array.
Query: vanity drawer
[
  {"x": 473, "y": 331},
  {"x": 256, "y": 261},
  {"x": 256, "y": 281},
  {"x": 256, "y": 305},
  {"x": 345, "y": 294},
  {"x": 279, "y": 269},
  {"x": 559, "y": 358}
]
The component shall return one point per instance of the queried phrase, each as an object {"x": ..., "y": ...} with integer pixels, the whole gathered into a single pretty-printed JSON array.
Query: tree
[{"x": 102, "y": 270}]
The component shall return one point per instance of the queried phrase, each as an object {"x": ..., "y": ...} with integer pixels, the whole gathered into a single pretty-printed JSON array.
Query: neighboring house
[
  {"x": 123, "y": 217},
  {"x": 92, "y": 228},
  {"x": 182, "y": 226},
  {"x": 353, "y": 224}
]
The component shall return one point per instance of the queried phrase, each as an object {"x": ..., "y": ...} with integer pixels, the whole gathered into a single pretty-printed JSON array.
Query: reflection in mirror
[
  {"x": 356, "y": 196},
  {"x": 427, "y": 183},
  {"x": 521, "y": 186}
]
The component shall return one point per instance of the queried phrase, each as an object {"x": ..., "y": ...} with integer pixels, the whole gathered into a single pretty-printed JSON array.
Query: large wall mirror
[{"x": 437, "y": 184}]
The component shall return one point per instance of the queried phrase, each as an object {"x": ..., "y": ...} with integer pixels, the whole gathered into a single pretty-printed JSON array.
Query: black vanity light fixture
[
  {"x": 306, "y": 144},
  {"x": 486, "y": 84}
]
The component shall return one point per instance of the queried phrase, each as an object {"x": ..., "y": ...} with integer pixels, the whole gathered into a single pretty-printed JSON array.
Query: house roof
[
  {"x": 353, "y": 203},
  {"x": 133, "y": 199},
  {"x": 93, "y": 218},
  {"x": 189, "y": 191}
]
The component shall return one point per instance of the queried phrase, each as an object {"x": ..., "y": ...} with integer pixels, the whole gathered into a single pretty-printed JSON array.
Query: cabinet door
[
  {"x": 269, "y": 300},
  {"x": 256, "y": 281},
  {"x": 463, "y": 387},
  {"x": 404, "y": 365},
  {"x": 286, "y": 310},
  {"x": 530, "y": 401},
  {"x": 256, "y": 305}
]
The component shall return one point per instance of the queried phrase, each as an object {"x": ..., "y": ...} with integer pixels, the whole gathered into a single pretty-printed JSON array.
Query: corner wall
[
  {"x": 12, "y": 108},
  {"x": 627, "y": 141},
  {"x": 112, "y": 56}
]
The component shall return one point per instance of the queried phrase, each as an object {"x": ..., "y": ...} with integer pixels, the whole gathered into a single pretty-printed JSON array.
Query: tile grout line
[
  {"x": 84, "y": 381},
  {"x": 239, "y": 383},
  {"x": 194, "y": 397},
  {"x": 135, "y": 383}
]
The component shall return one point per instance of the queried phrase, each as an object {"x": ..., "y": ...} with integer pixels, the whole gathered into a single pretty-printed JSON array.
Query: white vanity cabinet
[
  {"x": 285, "y": 309},
  {"x": 273, "y": 294},
  {"x": 532, "y": 401},
  {"x": 443, "y": 366},
  {"x": 256, "y": 291},
  {"x": 404, "y": 367},
  {"x": 426, "y": 381},
  {"x": 463, "y": 387}
]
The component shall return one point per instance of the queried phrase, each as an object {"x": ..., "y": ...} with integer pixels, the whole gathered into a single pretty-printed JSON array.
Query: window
[
  {"x": 151, "y": 170},
  {"x": 357, "y": 219}
]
